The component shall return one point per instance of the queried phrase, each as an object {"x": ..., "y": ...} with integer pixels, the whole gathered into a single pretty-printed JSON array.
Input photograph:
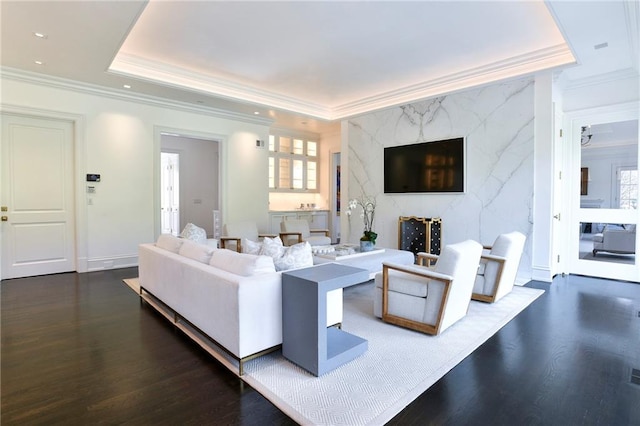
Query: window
[
  {"x": 628, "y": 187},
  {"x": 293, "y": 164}
]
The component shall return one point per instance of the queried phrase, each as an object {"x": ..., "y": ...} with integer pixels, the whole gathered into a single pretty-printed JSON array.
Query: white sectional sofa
[{"x": 234, "y": 299}]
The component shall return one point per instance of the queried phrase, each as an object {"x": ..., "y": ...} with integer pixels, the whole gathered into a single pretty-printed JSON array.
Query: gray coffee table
[{"x": 306, "y": 340}]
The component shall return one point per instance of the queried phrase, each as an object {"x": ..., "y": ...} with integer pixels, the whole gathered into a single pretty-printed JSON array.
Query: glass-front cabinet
[{"x": 293, "y": 164}]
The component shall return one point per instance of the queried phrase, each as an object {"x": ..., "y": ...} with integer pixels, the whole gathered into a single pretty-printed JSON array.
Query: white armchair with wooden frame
[
  {"x": 428, "y": 299},
  {"x": 236, "y": 231},
  {"x": 498, "y": 268},
  {"x": 295, "y": 231}
]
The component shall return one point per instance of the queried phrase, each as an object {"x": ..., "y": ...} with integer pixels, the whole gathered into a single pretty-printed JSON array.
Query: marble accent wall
[{"x": 497, "y": 122}]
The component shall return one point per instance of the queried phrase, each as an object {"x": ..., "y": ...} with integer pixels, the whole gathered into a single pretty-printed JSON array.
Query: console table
[{"x": 306, "y": 340}]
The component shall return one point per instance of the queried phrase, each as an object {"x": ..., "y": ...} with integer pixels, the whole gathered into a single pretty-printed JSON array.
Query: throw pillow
[
  {"x": 200, "y": 252},
  {"x": 169, "y": 242},
  {"x": 272, "y": 247},
  {"x": 194, "y": 233},
  {"x": 251, "y": 247},
  {"x": 241, "y": 263},
  {"x": 296, "y": 256}
]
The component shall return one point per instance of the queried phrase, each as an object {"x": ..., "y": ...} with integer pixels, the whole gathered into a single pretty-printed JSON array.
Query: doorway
[
  {"x": 170, "y": 192},
  {"x": 605, "y": 211},
  {"x": 189, "y": 189}
]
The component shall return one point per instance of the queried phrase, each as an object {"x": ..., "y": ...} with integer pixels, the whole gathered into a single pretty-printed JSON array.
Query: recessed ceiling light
[
  {"x": 39, "y": 62},
  {"x": 127, "y": 86},
  {"x": 256, "y": 112},
  {"x": 40, "y": 35}
]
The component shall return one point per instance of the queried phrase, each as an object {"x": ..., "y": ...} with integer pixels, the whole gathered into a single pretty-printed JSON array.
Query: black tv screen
[{"x": 425, "y": 167}]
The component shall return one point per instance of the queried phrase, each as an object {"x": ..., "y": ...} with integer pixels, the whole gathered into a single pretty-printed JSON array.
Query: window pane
[
  {"x": 272, "y": 143},
  {"x": 311, "y": 175},
  {"x": 284, "y": 173},
  {"x": 628, "y": 189},
  {"x": 285, "y": 145},
  {"x": 272, "y": 172},
  {"x": 298, "y": 146},
  {"x": 297, "y": 174},
  {"x": 312, "y": 149}
]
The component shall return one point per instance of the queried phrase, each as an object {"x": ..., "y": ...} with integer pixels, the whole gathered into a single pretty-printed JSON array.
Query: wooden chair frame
[
  {"x": 426, "y": 273},
  {"x": 238, "y": 240},
  {"x": 492, "y": 258},
  {"x": 299, "y": 234}
]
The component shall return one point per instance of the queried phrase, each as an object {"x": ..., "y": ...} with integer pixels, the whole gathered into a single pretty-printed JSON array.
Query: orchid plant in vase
[{"x": 368, "y": 207}]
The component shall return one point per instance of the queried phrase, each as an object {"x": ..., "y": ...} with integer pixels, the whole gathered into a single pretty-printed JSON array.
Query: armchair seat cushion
[
  {"x": 318, "y": 240},
  {"x": 404, "y": 283}
]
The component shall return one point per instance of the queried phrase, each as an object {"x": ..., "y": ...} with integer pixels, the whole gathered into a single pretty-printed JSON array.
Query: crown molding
[
  {"x": 80, "y": 87},
  {"x": 153, "y": 71},
  {"x": 517, "y": 66}
]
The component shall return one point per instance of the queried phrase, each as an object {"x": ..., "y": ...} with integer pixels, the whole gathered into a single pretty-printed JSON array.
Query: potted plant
[{"x": 368, "y": 207}]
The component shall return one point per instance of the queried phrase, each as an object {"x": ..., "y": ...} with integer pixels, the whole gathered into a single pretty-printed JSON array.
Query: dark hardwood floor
[{"x": 82, "y": 349}]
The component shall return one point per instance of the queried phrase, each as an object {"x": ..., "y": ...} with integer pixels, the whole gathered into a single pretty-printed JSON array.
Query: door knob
[{"x": 4, "y": 218}]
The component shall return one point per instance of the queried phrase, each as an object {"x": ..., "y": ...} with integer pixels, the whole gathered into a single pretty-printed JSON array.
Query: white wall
[
  {"x": 117, "y": 138},
  {"x": 498, "y": 124}
]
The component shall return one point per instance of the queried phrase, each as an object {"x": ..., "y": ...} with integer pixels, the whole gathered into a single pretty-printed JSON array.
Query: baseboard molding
[
  {"x": 541, "y": 274},
  {"x": 114, "y": 262}
]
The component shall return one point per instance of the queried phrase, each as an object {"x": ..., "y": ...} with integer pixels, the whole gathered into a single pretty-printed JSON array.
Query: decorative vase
[{"x": 366, "y": 245}]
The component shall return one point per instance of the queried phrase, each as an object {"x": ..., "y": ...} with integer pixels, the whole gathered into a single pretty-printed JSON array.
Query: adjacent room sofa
[
  {"x": 234, "y": 299},
  {"x": 619, "y": 239}
]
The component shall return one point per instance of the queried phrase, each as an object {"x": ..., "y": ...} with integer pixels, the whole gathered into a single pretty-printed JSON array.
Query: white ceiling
[{"x": 313, "y": 62}]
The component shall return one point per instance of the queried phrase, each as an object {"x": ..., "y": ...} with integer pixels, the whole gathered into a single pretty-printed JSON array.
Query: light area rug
[
  {"x": 134, "y": 283},
  {"x": 398, "y": 366}
]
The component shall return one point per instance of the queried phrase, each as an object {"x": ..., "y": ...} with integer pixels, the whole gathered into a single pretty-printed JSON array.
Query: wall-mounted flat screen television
[{"x": 436, "y": 166}]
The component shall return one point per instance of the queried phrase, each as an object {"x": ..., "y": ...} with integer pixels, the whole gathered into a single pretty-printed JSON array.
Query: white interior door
[
  {"x": 605, "y": 211},
  {"x": 170, "y": 192},
  {"x": 38, "y": 223},
  {"x": 559, "y": 250}
]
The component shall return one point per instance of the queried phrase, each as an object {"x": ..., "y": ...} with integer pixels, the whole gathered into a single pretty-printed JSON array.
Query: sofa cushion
[
  {"x": 194, "y": 233},
  {"x": 200, "y": 252},
  {"x": 251, "y": 247},
  {"x": 169, "y": 242},
  {"x": 272, "y": 247},
  {"x": 295, "y": 256},
  {"x": 242, "y": 264}
]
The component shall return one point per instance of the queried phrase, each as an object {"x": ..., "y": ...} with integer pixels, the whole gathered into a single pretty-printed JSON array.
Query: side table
[{"x": 306, "y": 340}]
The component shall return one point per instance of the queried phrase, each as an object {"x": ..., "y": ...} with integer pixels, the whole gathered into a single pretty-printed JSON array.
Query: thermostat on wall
[{"x": 93, "y": 178}]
